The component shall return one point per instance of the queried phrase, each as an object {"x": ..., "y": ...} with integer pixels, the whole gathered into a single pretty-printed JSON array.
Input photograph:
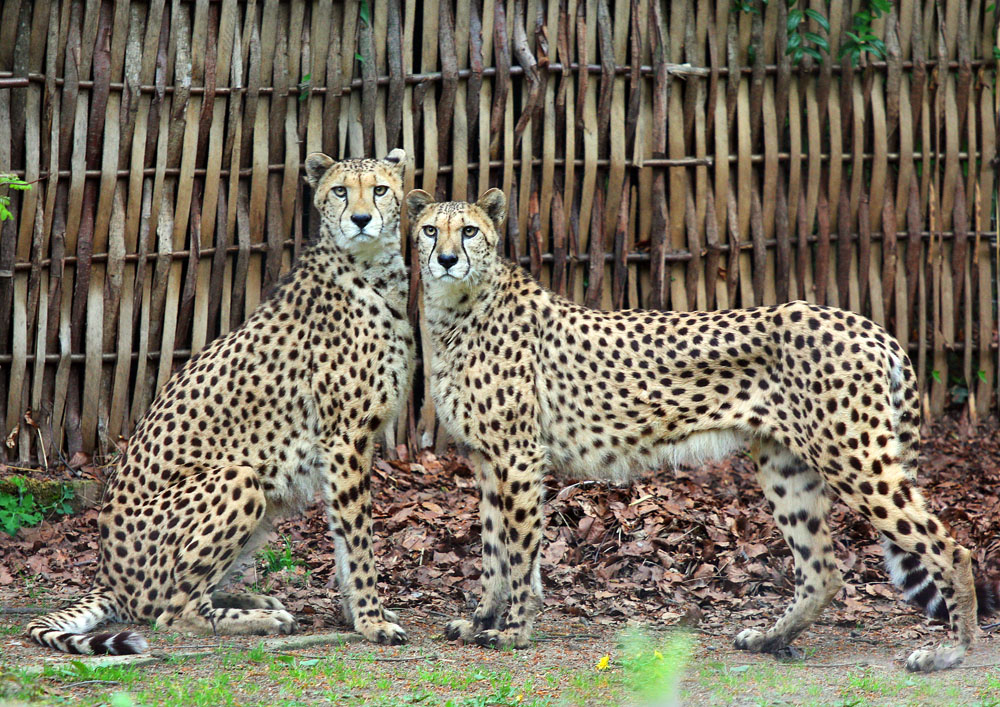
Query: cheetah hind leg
[
  {"x": 918, "y": 546},
  {"x": 797, "y": 495},
  {"x": 209, "y": 552},
  {"x": 910, "y": 572}
]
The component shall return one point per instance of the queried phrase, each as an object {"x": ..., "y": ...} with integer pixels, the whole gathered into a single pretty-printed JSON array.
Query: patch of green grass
[
  {"x": 78, "y": 671},
  {"x": 215, "y": 689},
  {"x": 867, "y": 682},
  {"x": 990, "y": 692}
]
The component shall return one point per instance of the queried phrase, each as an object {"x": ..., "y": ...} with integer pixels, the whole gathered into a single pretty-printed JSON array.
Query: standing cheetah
[
  {"x": 253, "y": 427},
  {"x": 529, "y": 380}
]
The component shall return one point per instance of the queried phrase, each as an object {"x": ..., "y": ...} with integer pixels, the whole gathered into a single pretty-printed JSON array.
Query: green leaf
[
  {"x": 982, "y": 375},
  {"x": 936, "y": 375},
  {"x": 359, "y": 57},
  {"x": 820, "y": 20},
  {"x": 794, "y": 20},
  {"x": 307, "y": 78},
  {"x": 364, "y": 12},
  {"x": 991, "y": 7},
  {"x": 996, "y": 53},
  {"x": 882, "y": 6},
  {"x": 794, "y": 40},
  {"x": 813, "y": 52},
  {"x": 817, "y": 40}
]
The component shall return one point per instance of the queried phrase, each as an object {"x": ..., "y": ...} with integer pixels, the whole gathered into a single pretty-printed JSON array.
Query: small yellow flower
[
  {"x": 602, "y": 664},
  {"x": 520, "y": 697},
  {"x": 658, "y": 655}
]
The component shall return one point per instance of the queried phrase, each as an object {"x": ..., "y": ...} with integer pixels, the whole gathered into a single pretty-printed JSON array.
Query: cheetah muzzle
[
  {"x": 257, "y": 424},
  {"x": 530, "y": 381}
]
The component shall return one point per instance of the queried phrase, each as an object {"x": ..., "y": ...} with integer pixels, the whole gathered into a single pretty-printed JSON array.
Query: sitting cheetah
[
  {"x": 528, "y": 380},
  {"x": 253, "y": 427}
]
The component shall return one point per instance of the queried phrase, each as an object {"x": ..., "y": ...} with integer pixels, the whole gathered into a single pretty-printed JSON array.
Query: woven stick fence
[{"x": 655, "y": 154}]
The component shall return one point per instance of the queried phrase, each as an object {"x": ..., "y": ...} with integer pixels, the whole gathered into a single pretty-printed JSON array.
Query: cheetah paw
[
  {"x": 492, "y": 638},
  {"x": 271, "y": 622},
  {"x": 385, "y": 633},
  {"x": 459, "y": 629},
  {"x": 749, "y": 639},
  {"x": 925, "y": 661}
]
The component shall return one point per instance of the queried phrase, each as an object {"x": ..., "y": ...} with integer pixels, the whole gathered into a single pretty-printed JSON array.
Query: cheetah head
[
  {"x": 457, "y": 241},
  {"x": 358, "y": 200}
]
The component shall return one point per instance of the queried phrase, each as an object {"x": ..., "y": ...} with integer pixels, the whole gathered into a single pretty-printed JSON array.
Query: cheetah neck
[
  {"x": 449, "y": 306},
  {"x": 379, "y": 262}
]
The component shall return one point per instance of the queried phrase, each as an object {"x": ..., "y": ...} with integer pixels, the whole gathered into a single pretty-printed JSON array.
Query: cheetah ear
[
  {"x": 416, "y": 202},
  {"x": 316, "y": 166},
  {"x": 396, "y": 159},
  {"x": 494, "y": 203}
]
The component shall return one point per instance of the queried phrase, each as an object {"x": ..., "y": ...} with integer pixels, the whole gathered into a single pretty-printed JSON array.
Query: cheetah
[
  {"x": 528, "y": 381},
  {"x": 253, "y": 427}
]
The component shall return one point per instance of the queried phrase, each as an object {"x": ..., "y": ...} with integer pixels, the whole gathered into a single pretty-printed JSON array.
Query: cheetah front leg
[
  {"x": 496, "y": 566},
  {"x": 349, "y": 510},
  {"x": 797, "y": 495},
  {"x": 520, "y": 504}
]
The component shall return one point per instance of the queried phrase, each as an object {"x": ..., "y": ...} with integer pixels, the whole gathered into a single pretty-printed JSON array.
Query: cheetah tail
[
  {"x": 65, "y": 630},
  {"x": 918, "y": 588}
]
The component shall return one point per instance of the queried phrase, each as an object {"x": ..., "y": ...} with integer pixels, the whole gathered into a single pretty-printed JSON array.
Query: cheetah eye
[
  {"x": 381, "y": 189},
  {"x": 430, "y": 231},
  {"x": 469, "y": 231},
  {"x": 340, "y": 191}
]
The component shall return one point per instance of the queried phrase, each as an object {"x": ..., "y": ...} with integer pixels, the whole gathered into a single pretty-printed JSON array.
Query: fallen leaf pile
[{"x": 694, "y": 546}]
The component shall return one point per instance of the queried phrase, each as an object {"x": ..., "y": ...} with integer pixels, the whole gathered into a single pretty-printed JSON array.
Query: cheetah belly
[
  {"x": 292, "y": 485},
  {"x": 623, "y": 464}
]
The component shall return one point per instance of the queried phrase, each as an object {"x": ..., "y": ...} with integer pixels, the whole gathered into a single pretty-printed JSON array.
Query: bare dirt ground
[{"x": 689, "y": 553}]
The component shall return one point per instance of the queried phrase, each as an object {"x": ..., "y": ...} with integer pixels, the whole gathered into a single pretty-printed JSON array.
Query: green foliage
[
  {"x": 801, "y": 43},
  {"x": 9, "y": 181},
  {"x": 860, "y": 39},
  {"x": 22, "y": 510},
  {"x": 277, "y": 560}
]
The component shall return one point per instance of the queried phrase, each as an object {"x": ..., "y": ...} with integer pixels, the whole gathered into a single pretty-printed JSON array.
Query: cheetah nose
[
  {"x": 361, "y": 219},
  {"x": 447, "y": 260}
]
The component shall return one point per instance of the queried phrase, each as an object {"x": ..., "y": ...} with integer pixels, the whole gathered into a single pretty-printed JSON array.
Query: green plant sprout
[
  {"x": 10, "y": 181},
  {"x": 22, "y": 510}
]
